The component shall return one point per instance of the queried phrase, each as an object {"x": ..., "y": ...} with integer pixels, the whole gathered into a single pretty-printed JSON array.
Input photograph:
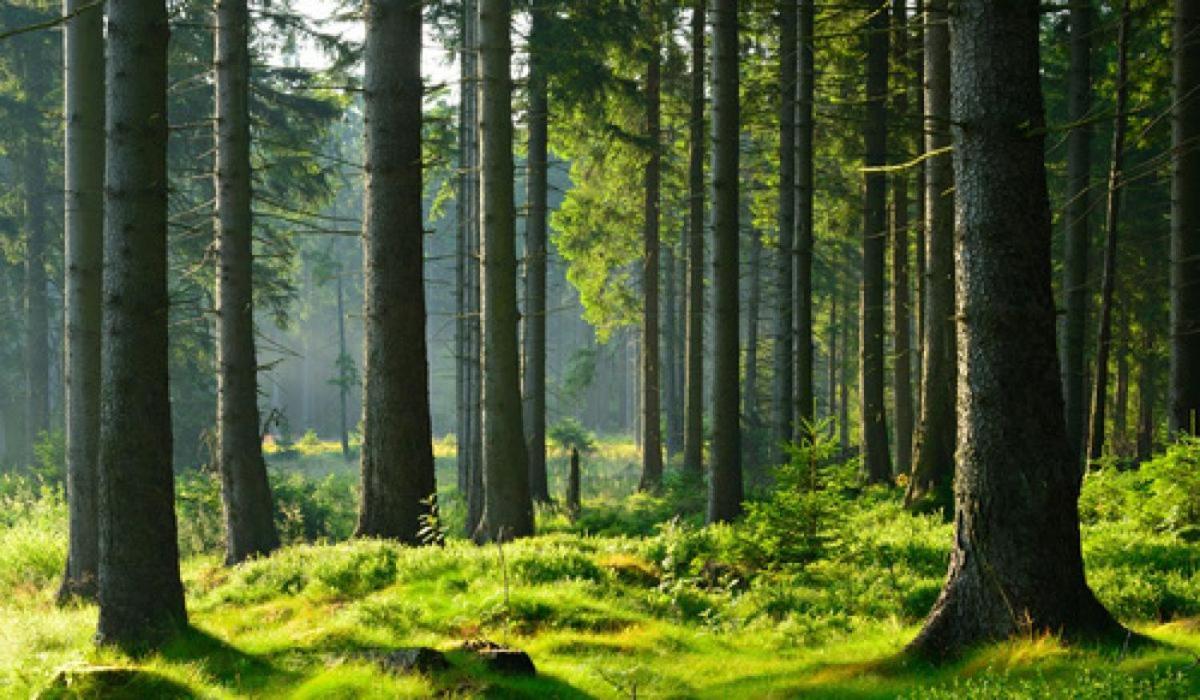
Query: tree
[
  {"x": 876, "y": 460},
  {"x": 249, "y": 513},
  {"x": 141, "y": 596},
  {"x": 535, "y": 256},
  {"x": 693, "y": 420},
  {"x": 933, "y": 461},
  {"x": 1016, "y": 566},
  {"x": 397, "y": 455},
  {"x": 1185, "y": 222},
  {"x": 83, "y": 82},
  {"x": 902, "y": 372},
  {"x": 781, "y": 431},
  {"x": 803, "y": 245},
  {"x": 1075, "y": 258},
  {"x": 652, "y": 461},
  {"x": 725, "y": 478},
  {"x": 507, "y": 507}
]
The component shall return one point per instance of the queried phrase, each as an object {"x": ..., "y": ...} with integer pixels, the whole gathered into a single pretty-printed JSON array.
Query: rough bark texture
[
  {"x": 507, "y": 507},
  {"x": 397, "y": 455},
  {"x": 725, "y": 478},
  {"x": 803, "y": 291},
  {"x": 246, "y": 494},
  {"x": 1075, "y": 258},
  {"x": 933, "y": 461},
  {"x": 534, "y": 377},
  {"x": 672, "y": 386},
  {"x": 1016, "y": 566},
  {"x": 876, "y": 459},
  {"x": 917, "y": 59},
  {"x": 1185, "y": 222},
  {"x": 141, "y": 596},
  {"x": 783, "y": 385},
  {"x": 751, "y": 413},
  {"x": 1112, "y": 218},
  {"x": 83, "y": 82},
  {"x": 902, "y": 356},
  {"x": 693, "y": 418},
  {"x": 652, "y": 461}
]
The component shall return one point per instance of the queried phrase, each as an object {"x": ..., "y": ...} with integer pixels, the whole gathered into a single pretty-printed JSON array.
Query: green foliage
[
  {"x": 33, "y": 551},
  {"x": 569, "y": 434},
  {"x": 1162, "y": 495}
]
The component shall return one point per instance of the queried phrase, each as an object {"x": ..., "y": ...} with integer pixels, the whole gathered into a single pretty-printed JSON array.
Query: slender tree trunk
[
  {"x": 902, "y": 372},
  {"x": 83, "y": 81},
  {"x": 397, "y": 455},
  {"x": 802, "y": 304},
  {"x": 673, "y": 406},
  {"x": 535, "y": 259},
  {"x": 1112, "y": 219},
  {"x": 652, "y": 461},
  {"x": 1121, "y": 401},
  {"x": 462, "y": 376},
  {"x": 693, "y": 422},
  {"x": 833, "y": 353},
  {"x": 1016, "y": 566},
  {"x": 246, "y": 493},
  {"x": 725, "y": 478},
  {"x": 844, "y": 384},
  {"x": 917, "y": 58},
  {"x": 933, "y": 462},
  {"x": 750, "y": 410},
  {"x": 1147, "y": 392},
  {"x": 508, "y": 508},
  {"x": 343, "y": 360},
  {"x": 1185, "y": 222},
  {"x": 876, "y": 460},
  {"x": 782, "y": 427},
  {"x": 141, "y": 596},
  {"x": 1075, "y": 260}
]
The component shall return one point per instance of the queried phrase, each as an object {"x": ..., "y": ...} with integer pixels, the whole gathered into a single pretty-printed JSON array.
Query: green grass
[{"x": 661, "y": 610}]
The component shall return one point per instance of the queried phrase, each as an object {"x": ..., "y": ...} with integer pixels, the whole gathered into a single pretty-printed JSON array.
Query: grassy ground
[{"x": 678, "y": 611}]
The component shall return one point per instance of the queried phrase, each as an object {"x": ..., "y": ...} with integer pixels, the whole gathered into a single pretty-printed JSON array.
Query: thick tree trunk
[
  {"x": 693, "y": 419},
  {"x": 246, "y": 493},
  {"x": 652, "y": 461},
  {"x": 902, "y": 371},
  {"x": 507, "y": 507},
  {"x": 1075, "y": 259},
  {"x": 783, "y": 384},
  {"x": 802, "y": 304},
  {"x": 1112, "y": 219},
  {"x": 83, "y": 82},
  {"x": 397, "y": 455},
  {"x": 534, "y": 377},
  {"x": 141, "y": 596},
  {"x": 876, "y": 460},
  {"x": 933, "y": 462},
  {"x": 1016, "y": 566},
  {"x": 725, "y": 478},
  {"x": 1185, "y": 222}
]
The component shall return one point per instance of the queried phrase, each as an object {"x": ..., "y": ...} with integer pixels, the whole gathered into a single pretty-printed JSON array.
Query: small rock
[
  {"x": 499, "y": 659},
  {"x": 409, "y": 660}
]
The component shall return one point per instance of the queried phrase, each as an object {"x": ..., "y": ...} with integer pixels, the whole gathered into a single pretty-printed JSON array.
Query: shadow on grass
[
  {"x": 117, "y": 683},
  {"x": 224, "y": 663}
]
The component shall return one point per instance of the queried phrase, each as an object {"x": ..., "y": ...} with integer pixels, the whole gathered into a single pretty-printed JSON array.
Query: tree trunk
[
  {"x": 783, "y": 385},
  {"x": 876, "y": 460},
  {"x": 1147, "y": 391},
  {"x": 246, "y": 493},
  {"x": 507, "y": 507},
  {"x": 535, "y": 259},
  {"x": 844, "y": 384},
  {"x": 1112, "y": 219},
  {"x": 1075, "y": 258},
  {"x": 1121, "y": 400},
  {"x": 573, "y": 485},
  {"x": 902, "y": 371},
  {"x": 1185, "y": 223},
  {"x": 462, "y": 275},
  {"x": 750, "y": 411},
  {"x": 725, "y": 479},
  {"x": 397, "y": 455},
  {"x": 831, "y": 379},
  {"x": 693, "y": 420},
  {"x": 672, "y": 406},
  {"x": 917, "y": 58},
  {"x": 933, "y": 462},
  {"x": 141, "y": 596},
  {"x": 343, "y": 362},
  {"x": 1016, "y": 566},
  {"x": 83, "y": 82},
  {"x": 802, "y": 305},
  {"x": 652, "y": 461}
]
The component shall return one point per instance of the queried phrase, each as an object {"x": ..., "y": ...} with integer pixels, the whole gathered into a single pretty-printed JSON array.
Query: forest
[{"x": 600, "y": 348}]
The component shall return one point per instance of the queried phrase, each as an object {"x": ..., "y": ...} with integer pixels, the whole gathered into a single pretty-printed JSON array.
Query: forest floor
[{"x": 626, "y": 602}]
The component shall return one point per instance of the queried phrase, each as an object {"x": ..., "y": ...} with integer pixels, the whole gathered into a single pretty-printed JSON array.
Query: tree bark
[
  {"x": 83, "y": 82},
  {"x": 672, "y": 404},
  {"x": 1016, "y": 566},
  {"x": 693, "y": 420},
  {"x": 725, "y": 478},
  {"x": 933, "y": 463},
  {"x": 507, "y": 507},
  {"x": 343, "y": 361},
  {"x": 752, "y": 447},
  {"x": 876, "y": 460},
  {"x": 534, "y": 377},
  {"x": 1075, "y": 258},
  {"x": 246, "y": 493},
  {"x": 902, "y": 371},
  {"x": 397, "y": 454},
  {"x": 1147, "y": 392},
  {"x": 802, "y": 304},
  {"x": 1185, "y": 222},
  {"x": 141, "y": 596},
  {"x": 652, "y": 461},
  {"x": 783, "y": 385}
]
